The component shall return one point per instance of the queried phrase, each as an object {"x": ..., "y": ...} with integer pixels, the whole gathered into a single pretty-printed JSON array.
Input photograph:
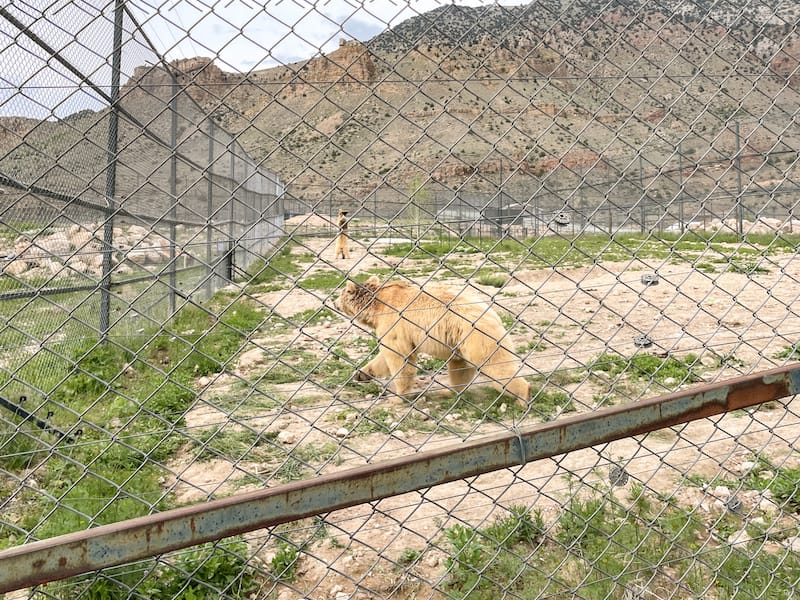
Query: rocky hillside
[{"x": 540, "y": 96}]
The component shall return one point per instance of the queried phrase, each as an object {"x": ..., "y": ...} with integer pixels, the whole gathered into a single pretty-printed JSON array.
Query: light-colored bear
[
  {"x": 342, "y": 249},
  {"x": 453, "y": 325}
]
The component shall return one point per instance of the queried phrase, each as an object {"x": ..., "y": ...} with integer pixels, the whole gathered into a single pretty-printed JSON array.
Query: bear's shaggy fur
[
  {"x": 342, "y": 246},
  {"x": 453, "y": 325}
]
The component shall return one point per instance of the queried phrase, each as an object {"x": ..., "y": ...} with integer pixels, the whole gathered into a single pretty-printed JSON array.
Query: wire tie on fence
[
  {"x": 617, "y": 476},
  {"x": 733, "y": 503},
  {"x": 649, "y": 279},
  {"x": 523, "y": 450}
]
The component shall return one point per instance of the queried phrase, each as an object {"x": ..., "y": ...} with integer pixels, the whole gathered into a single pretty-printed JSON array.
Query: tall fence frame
[{"x": 487, "y": 301}]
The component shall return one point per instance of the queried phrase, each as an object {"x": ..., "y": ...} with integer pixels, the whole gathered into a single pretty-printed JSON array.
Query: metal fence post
[
  {"x": 173, "y": 191},
  {"x": 231, "y": 216},
  {"x": 739, "y": 200},
  {"x": 210, "y": 210},
  {"x": 111, "y": 173}
]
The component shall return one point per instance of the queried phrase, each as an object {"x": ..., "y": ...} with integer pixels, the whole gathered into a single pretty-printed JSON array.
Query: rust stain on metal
[{"x": 144, "y": 537}]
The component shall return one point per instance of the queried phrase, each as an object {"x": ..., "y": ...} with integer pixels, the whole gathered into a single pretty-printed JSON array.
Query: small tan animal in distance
[
  {"x": 342, "y": 238},
  {"x": 454, "y": 325}
]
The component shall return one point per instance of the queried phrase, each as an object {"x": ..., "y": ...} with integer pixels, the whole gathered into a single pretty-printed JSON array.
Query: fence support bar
[{"x": 143, "y": 537}]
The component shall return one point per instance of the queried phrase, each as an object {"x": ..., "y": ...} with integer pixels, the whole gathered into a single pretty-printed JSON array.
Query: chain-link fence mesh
[{"x": 362, "y": 231}]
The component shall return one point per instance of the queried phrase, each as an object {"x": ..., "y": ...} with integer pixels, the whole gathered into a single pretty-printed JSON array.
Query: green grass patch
[
  {"x": 783, "y": 482},
  {"x": 282, "y": 264},
  {"x": 599, "y": 549},
  {"x": 483, "y": 402},
  {"x": 649, "y": 367},
  {"x": 235, "y": 445},
  {"x": 123, "y": 402},
  {"x": 322, "y": 281},
  {"x": 584, "y": 249},
  {"x": 491, "y": 278},
  {"x": 206, "y": 572},
  {"x": 791, "y": 352}
]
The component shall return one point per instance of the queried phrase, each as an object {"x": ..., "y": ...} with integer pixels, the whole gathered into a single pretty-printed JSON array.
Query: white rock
[
  {"x": 767, "y": 506},
  {"x": 15, "y": 268},
  {"x": 54, "y": 267},
  {"x": 250, "y": 359},
  {"x": 342, "y": 432},
  {"x": 722, "y": 491},
  {"x": 287, "y": 437},
  {"x": 77, "y": 265},
  {"x": 708, "y": 361},
  {"x": 137, "y": 232},
  {"x": 739, "y": 537},
  {"x": 56, "y": 245},
  {"x": 79, "y": 239}
]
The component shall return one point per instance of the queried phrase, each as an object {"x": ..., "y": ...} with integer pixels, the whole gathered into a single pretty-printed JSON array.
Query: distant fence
[{"x": 143, "y": 193}]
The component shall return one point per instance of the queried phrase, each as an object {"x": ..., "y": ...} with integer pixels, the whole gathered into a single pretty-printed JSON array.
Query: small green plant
[
  {"x": 206, "y": 572},
  {"x": 789, "y": 352},
  {"x": 747, "y": 268},
  {"x": 234, "y": 445},
  {"x": 520, "y": 525},
  {"x": 548, "y": 404},
  {"x": 408, "y": 557},
  {"x": 314, "y": 316},
  {"x": 291, "y": 470},
  {"x": 492, "y": 279},
  {"x": 283, "y": 565},
  {"x": 532, "y": 346},
  {"x": 467, "y": 559}
]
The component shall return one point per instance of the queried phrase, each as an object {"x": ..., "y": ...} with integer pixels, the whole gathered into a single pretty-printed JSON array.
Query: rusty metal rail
[{"x": 128, "y": 541}]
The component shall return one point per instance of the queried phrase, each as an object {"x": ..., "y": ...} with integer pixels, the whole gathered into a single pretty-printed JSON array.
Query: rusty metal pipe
[{"x": 143, "y": 537}]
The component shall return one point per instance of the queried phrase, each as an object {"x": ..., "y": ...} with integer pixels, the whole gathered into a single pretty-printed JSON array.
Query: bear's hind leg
[
  {"x": 374, "y": 369},
  {"x": 461, "y": 373},
  {"x": 521, "y": 389},
  {"x": 502, "y": 368}
]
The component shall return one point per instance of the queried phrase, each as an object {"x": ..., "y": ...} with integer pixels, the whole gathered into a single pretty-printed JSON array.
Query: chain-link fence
[{"x": 478, "y": 346}]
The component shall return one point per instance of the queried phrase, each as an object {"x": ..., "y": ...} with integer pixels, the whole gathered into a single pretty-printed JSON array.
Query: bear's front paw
[{"x": 362, "y": 376}]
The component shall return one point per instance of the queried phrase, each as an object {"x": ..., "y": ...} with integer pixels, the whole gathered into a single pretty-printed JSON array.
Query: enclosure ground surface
[{"x": 561, "y": 320}]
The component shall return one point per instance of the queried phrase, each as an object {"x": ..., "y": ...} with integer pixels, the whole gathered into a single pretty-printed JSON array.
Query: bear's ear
[
  {"x": 351, "y": 285},
  {"x": 373, "y": 282}
]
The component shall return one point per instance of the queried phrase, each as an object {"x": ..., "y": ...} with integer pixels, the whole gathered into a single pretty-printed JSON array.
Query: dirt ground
[{"x": 734, "y": 322}]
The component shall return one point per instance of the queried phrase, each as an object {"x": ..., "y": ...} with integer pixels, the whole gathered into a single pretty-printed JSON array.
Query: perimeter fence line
[{"x": 127, "y": 541}]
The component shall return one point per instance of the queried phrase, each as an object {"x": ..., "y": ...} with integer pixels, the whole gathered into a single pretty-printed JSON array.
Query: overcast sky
[
  {"x": 240, "y": 35},
  {"x": 244, "y": 35}
]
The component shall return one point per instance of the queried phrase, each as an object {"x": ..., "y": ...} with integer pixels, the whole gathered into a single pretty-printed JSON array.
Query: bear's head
[{"x": 355, "y": 299}]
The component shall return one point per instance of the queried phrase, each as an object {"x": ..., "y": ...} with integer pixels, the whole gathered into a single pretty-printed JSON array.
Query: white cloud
[{"x": 243, "y": 35}]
